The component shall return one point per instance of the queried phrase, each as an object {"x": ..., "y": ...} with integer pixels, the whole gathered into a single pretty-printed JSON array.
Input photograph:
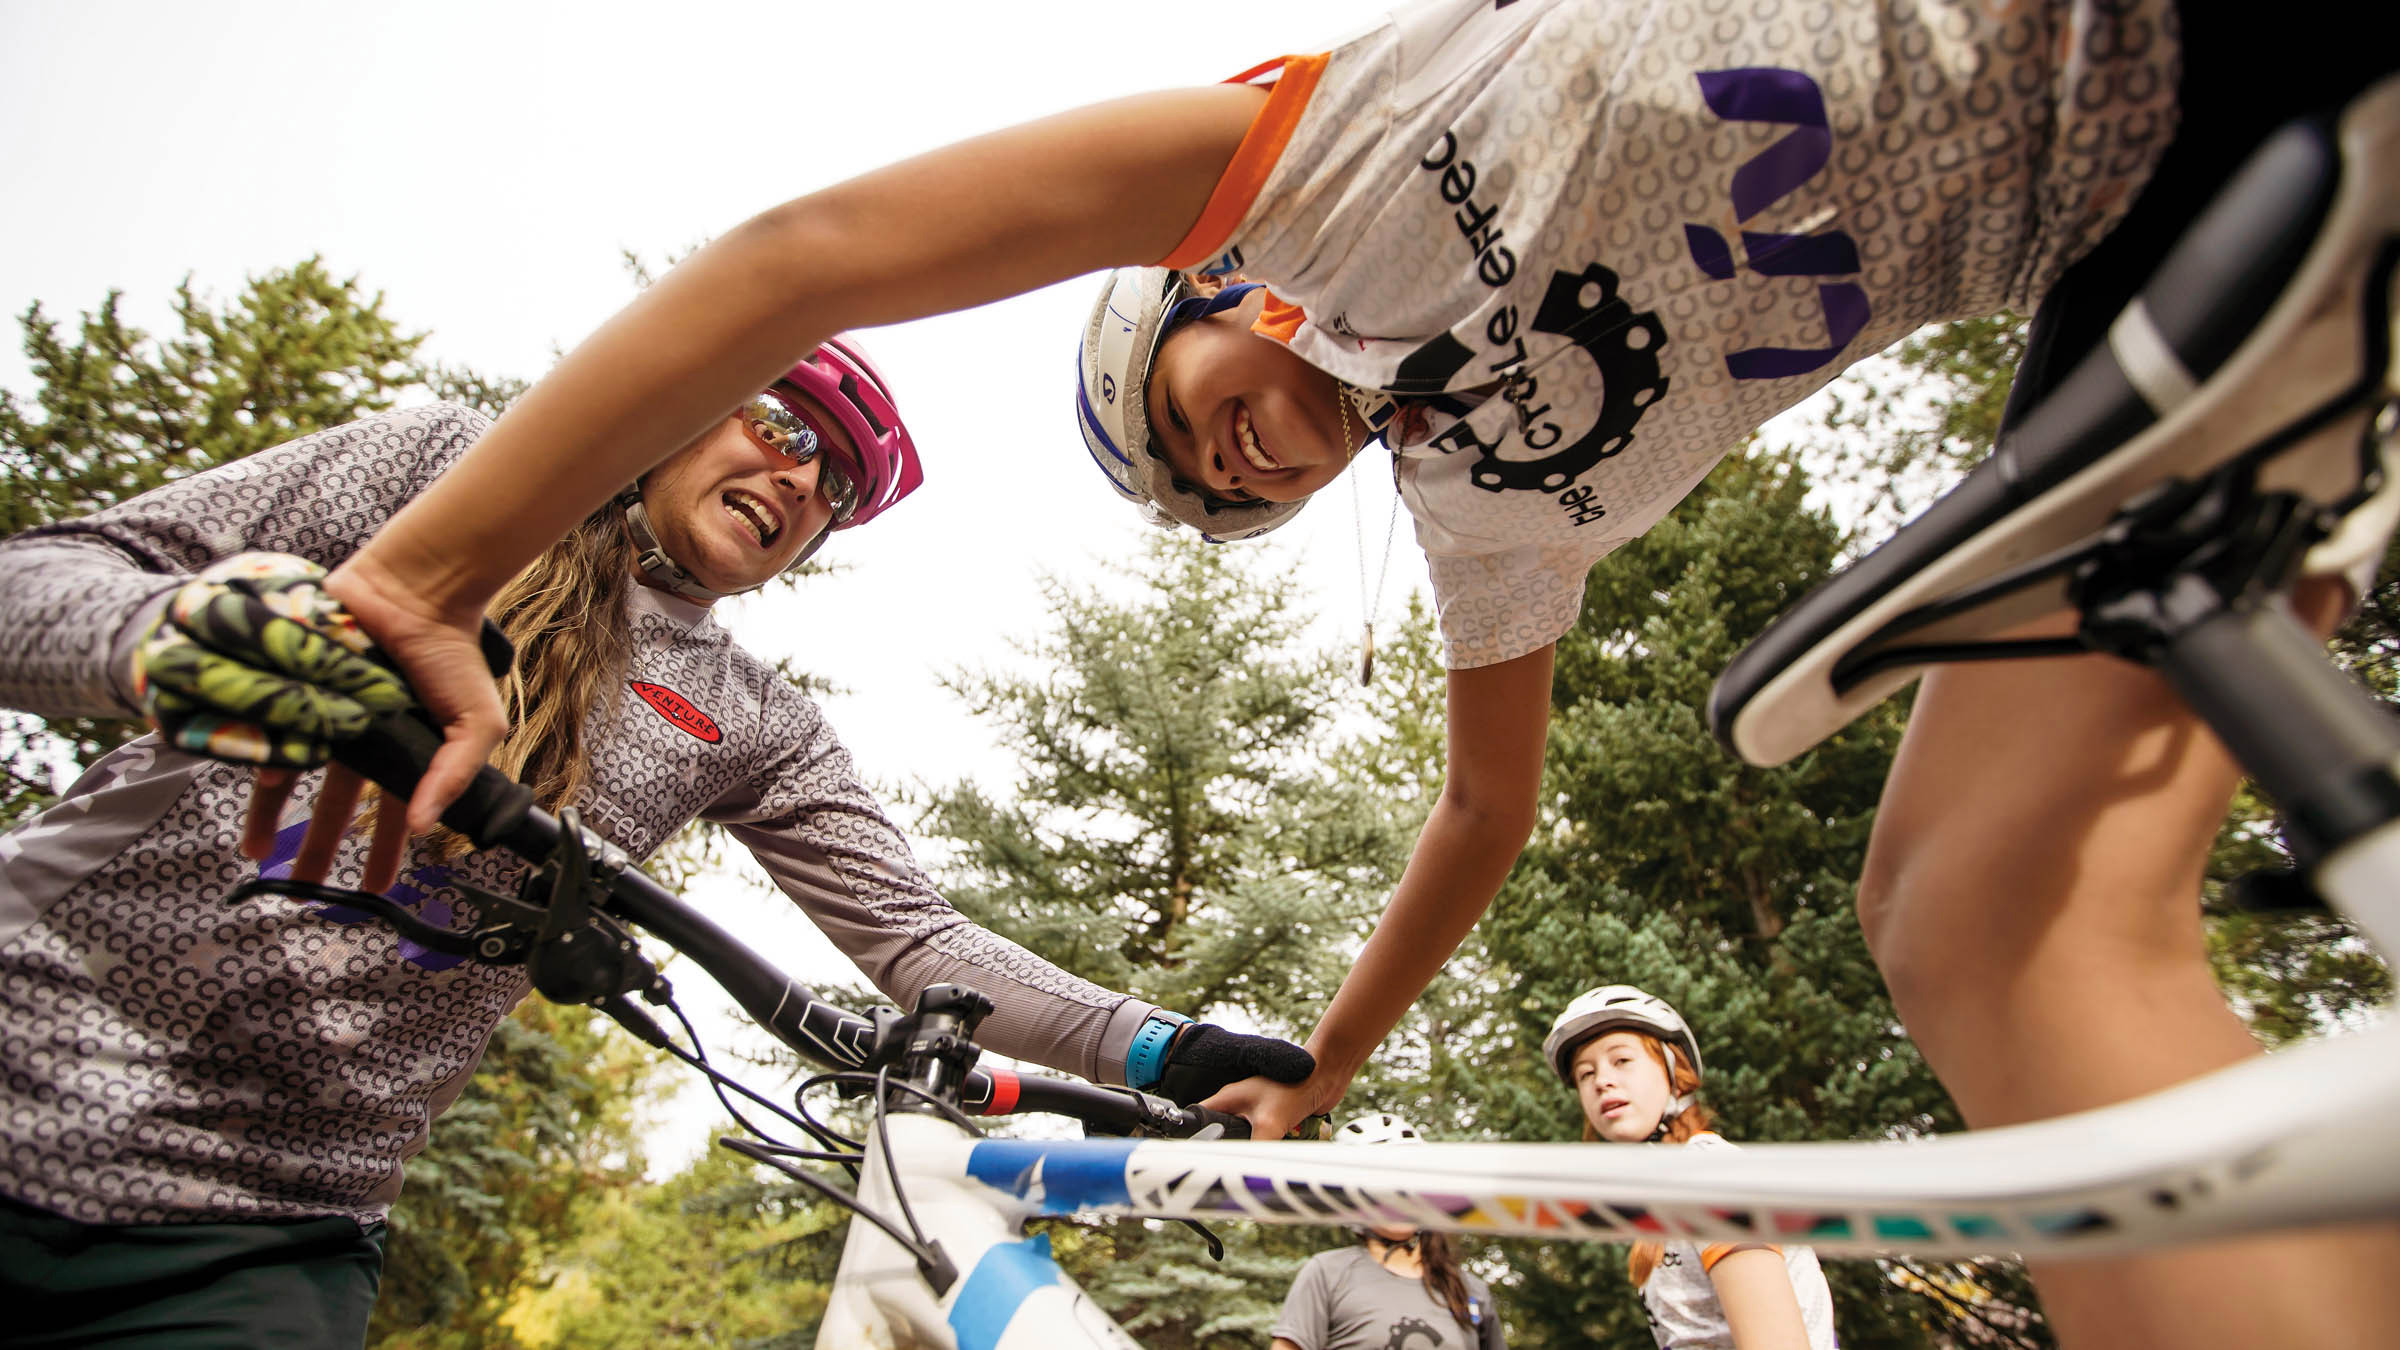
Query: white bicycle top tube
[{"x": 2183, "y": 1165}]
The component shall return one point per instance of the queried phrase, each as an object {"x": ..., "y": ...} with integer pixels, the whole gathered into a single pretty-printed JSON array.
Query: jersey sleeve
[
  {"x": 826, "y": 842},
  {"x": 1307, "y": 1309},
  {"x": 1495, "y": 607},
  {"x": 76, "y": 586},
  {"x": 1714, "y": 1252},
  {"x": 1203, "y": 247}
]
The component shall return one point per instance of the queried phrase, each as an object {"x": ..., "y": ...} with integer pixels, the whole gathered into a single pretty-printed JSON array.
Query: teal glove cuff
[{"x": 1146, "y": 1058}]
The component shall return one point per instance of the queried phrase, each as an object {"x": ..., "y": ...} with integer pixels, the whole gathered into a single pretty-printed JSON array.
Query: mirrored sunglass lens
[
  {"x": 781, "y": 430},
  {"x": 840, "y": 492}
]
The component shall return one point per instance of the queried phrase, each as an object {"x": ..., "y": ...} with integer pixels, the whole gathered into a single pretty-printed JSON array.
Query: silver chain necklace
[{"x": 1370, "y": 599}]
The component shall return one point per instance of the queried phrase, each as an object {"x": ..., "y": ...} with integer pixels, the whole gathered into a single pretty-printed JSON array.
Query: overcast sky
[{"x": 485, "y": 165}]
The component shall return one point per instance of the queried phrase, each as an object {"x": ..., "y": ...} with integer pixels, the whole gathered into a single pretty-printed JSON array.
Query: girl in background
[{"x": 1634, "y": 1066}]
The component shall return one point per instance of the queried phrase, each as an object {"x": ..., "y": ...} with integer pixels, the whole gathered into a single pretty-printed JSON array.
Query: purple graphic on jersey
[
  {"x": 417, "y": 889},
  {"x": 1785, "y": 98}
]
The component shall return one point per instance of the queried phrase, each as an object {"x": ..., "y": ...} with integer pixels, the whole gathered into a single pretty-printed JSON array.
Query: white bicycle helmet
[
  {"x": 1614, "y": 1007},
  {"x": 1378, "y": 1127},
  {"x": 1137, "y": 308}
]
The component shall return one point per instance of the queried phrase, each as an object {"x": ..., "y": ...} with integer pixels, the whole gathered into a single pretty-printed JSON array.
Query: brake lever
[
  {"x": 1216, "y": 1245},
  {"x": 499, "y": 944},
  {"x": 580, "y": 955}
]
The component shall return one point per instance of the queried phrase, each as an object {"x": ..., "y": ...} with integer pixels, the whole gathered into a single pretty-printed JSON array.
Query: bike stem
[{"x": 931, "y": 1049}]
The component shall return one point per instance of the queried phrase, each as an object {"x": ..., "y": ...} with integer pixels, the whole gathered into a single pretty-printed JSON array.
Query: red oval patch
[{"x": 677, "y": 709}]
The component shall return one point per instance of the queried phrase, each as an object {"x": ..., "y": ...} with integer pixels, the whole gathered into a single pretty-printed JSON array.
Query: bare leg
[{"x": 2031, "y": 896}]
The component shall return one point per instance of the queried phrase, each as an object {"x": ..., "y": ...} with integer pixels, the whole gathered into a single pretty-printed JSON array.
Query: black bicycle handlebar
[
  {"x": 1110, "y": 1110},
  {"x": 393, "y": 753}
]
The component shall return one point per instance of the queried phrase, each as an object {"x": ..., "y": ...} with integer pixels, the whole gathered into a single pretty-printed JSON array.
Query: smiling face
[
  {"x": 1622, "y": 1084},
  {"x": 733, "y": 510},
  {"x": 1239, "y": 417}
]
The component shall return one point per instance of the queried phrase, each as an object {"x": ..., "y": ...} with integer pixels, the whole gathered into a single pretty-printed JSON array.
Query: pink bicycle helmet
[{"x": 839, "y": 376}]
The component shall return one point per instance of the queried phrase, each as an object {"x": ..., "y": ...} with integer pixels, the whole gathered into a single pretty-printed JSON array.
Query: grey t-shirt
[
  {"x": 167, "y": 1055},
  {"x": 1344, "y": 1300}
]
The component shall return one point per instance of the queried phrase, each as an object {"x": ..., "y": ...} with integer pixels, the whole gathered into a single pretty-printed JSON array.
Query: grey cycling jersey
[{"x": 167, "y": 1055}]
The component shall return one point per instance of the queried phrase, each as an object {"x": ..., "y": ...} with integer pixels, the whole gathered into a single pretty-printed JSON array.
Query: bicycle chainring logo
[
  {"x": 679, "y": 710},
  {"x": 1623, "y": 346}
]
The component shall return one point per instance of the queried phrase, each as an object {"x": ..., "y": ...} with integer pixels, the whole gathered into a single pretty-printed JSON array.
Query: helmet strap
[
  {"x": 1681, "y": 1103},
  {"x": 651, "y": 559}
]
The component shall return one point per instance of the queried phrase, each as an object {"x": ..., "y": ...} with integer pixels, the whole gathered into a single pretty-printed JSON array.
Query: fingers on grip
[{"x": 254, "y": 662}]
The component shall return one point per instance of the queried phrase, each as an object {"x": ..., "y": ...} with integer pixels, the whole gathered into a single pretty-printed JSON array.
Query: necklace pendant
[{"x": 1366, "y": 657}]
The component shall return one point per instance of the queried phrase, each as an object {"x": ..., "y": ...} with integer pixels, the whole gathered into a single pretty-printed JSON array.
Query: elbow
[{"x": 1499, "y": 822}]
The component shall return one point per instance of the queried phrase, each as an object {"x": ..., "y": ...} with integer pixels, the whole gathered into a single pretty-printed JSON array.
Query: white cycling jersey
[
  {"x": 1601, "y": 241},
  {"x": 1682, "y": 1304}
]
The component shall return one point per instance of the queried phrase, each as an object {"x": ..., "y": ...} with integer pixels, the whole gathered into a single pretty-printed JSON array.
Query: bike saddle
[{"x": 2266, "y": 331}]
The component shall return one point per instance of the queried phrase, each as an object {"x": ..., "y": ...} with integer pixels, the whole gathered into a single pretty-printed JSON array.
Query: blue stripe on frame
[
  {"x": 1068, "y": 1174},
  {"x": 999, "y": 1285}
]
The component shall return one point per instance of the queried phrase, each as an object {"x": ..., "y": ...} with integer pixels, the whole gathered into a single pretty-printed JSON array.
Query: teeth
[
  {"x": 1247, "y": 435},
  {"x": 753, "y": 513}
]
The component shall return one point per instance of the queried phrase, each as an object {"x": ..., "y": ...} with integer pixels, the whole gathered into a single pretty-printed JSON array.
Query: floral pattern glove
[{"x": 253, "y": 662}]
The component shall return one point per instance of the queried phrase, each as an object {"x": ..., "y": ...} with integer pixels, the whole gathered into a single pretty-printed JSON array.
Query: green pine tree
[
  {"x": 1177, "y": 830},
  {"x": 118, "y": 411},
  {"x": 1190, "y": 824},
  {"x": 549, "y": 1121}
]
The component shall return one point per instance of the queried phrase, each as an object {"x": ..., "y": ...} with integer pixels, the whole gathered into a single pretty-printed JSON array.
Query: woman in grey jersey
[
  {"x": 1396, "y": 1289},
  {"x": 1600, "y": 241},
  {"x": 207, "y": 1105}
]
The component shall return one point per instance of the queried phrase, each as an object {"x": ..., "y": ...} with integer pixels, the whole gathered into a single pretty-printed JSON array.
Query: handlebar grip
[
  {"x": 1235, "y": 1126},
  {"x": 397, "y": 747},
  {"x": 393, "y": 753}
]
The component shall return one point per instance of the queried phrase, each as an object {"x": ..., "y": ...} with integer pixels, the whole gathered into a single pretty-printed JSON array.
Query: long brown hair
[
  {"x": 566, "y": 614},
  {"x": 1682, "y": 1081},
  {"x": 1442, "y": 1279}
]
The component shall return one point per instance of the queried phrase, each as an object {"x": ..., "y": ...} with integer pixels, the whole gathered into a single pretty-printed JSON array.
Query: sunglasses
[{"x": 775, "y": 420}]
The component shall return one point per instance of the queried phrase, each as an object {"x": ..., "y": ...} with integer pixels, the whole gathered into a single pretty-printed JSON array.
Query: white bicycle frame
[{"x": 2212, "y": 1158}]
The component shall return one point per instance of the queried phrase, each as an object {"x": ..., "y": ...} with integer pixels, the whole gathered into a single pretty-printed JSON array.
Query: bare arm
[
  {"x": 1761, "y": 1310},
  {"x": 1499, "y": 724},
  {"x": 957, "y": 227},
  {"x": 1108, "y": 185}
]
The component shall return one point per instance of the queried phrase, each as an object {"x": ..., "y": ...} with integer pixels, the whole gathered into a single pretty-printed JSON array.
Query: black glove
[{"x": 1205, "y": 1057}]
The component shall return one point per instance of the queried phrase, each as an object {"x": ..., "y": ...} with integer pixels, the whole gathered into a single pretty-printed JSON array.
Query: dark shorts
[
  {"x": 2246, "y": 71},
  {"x": 305, "y": 1284}
]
